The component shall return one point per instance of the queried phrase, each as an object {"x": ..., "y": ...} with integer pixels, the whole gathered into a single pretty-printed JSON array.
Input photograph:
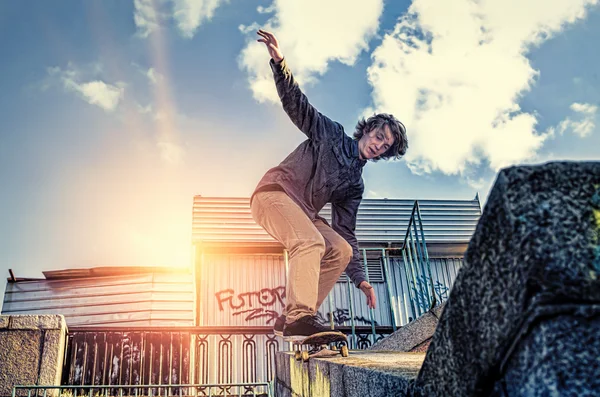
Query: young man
[{"x": 326, "y": 168}]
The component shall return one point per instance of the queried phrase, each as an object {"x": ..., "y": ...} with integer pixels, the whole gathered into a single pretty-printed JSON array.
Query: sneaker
[
  {"x": 303, "y": 327},
  {"x": 278, "y": 326}
]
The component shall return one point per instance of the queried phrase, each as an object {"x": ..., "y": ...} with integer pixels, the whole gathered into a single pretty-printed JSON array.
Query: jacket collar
[{"x": 355, "y": 153}]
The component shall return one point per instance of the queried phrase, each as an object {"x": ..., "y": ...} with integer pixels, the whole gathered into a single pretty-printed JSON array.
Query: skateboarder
[{"x": 325, "y": 168}]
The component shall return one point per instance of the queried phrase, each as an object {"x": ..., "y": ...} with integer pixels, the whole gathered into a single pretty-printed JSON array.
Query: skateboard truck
[{"x": 319, "y": 344}]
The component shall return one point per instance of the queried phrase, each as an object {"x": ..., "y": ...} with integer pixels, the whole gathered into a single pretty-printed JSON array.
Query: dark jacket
[{"x": 325, "y": 168}]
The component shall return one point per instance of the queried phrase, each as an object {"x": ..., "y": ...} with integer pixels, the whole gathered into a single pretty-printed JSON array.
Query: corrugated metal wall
[
  {"x": 241, "y": 290},
  {"x": 147, "y": 299},
  {"x": 249, "y": 290},
  {"x": 228, "y": 220},
  {"x": 410, "y": 286}
]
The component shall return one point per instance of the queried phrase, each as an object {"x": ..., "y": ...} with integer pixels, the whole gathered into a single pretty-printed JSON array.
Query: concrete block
[
  {"x": 31, "y": 351},
  {"x": 558, "y": 357},
  {"x": 411, "y": 335},
  {"x": 52, "y": 357},
  {"x": 44, "y": 321},
  {"x": 20, "y": 354},
  {"x": 363, "y": 373},
  {"x": 4, "y": 321},
  {"x": 537, "y": 244}
]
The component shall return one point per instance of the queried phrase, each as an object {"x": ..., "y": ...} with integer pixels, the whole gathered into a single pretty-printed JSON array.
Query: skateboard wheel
[
  {"x": 305, "y": 356},
  {"x": 344, "y": 351},
  {"x": 297, "y": 355},
  {"x": 334, "y": 348}
]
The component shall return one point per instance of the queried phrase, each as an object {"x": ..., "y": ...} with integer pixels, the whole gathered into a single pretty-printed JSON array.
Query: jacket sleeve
[
  {"x": 343, "y": 219},
  {"x": 309, "y": 120}
]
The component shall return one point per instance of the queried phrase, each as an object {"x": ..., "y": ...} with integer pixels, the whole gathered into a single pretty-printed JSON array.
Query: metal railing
[
  {"x": 416, "y": 270},
  {"x": 262, "y": 389},
  {"x": 221, "y": 355}
]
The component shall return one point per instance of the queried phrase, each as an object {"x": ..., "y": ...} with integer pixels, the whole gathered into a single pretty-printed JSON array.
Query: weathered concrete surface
[
  {"x": 362, "y": 373},
  {"x": 31, "y": 350},
  {"x": 414, "y": 335},
  {"x": 531, "y": 269},
  {"x": 561, "y": 353}
]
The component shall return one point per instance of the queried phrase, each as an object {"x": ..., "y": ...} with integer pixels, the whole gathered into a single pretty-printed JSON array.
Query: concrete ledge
[
  {"x": 363, "y": 373},
  {"x": 36, "y": 322},
  {"x": 31, "y": 350},
  {"x": 414, "y": 335}
]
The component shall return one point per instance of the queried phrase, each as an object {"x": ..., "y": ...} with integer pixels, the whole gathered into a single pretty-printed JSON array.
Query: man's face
[{"x": 375, "y": 143}]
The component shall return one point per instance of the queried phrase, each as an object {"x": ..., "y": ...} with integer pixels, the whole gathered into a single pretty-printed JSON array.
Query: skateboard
[{"x": 319, "y": 346}]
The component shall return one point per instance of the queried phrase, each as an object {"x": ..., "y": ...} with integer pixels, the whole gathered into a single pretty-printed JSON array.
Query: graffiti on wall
[
  {"x": 340, "y": 316},
  {"x": 259, "y": 304},
  {"x": 254, "y": 304}
]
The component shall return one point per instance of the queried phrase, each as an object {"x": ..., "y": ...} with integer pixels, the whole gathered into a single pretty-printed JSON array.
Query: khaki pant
[{"x": 317, "y": 254}]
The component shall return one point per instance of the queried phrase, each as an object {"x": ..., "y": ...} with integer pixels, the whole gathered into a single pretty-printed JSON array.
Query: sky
[{"x": 115, "y": 113}]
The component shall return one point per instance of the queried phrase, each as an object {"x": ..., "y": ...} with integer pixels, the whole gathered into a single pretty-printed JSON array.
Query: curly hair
[{"x": 377, "y": 121}]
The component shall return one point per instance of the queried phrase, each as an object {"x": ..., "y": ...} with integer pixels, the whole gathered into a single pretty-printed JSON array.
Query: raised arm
[{"x": 309, "y": 120}]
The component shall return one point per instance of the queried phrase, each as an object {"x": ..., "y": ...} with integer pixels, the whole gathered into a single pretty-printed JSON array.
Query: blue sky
[{"x": 115, "y": 113}]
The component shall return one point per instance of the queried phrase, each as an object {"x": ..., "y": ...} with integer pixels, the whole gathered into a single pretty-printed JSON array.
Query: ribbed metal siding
[
  {"x": 443, "y": 271},
  {"x": 340, "y": 306},
  {"x": 228, "y": 220},
  {"x": 152, "y": 299},
  {"x": 249, "y": 290},
  {"x": 241, "y": 290}
]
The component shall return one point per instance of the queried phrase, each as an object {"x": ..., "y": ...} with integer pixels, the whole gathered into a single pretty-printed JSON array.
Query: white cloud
[
  {"x": 154, "y": 76},
  {"x": 585, "y": 108},
  {"x": 311, "y": 33},
  {"x": 454, "y": 72},
  {"x": 188, "y": 15},
  {"x": 146, "y": 16},
  {"x": 586, "y": 123},
  {"x": 95, "y": 92}
]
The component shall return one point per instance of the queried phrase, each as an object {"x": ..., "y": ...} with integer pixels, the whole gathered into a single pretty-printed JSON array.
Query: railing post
[
  {"x": 426, "y": 255},
  {"x": 331, "y": 322},
  {"x": 364, "y": 251},
  {"x": 408, "y": 282},
  {"x": 389, "y": 288},
  {"x": 351, "y": 300},
  {"x": 414, "y": 267}
]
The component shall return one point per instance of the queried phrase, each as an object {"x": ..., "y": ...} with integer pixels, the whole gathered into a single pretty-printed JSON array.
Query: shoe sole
[
  {"x": 278, "y": 333},
  {"x": 295, "y": 338}
]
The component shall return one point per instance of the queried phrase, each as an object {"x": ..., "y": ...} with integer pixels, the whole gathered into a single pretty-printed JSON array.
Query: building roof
[{"x": 227, "y": 221}]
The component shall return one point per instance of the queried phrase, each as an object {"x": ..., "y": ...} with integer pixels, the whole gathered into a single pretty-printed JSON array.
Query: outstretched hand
[
  {"x": 369, "y": 292},
  {"x": 272, "y": 45}
]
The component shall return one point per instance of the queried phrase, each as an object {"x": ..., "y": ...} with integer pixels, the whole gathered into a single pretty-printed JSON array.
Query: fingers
[
  {"x": 373, "y": 299},
  {"x": 265, "y": 35},
  {"x": 369, "y": 292},
  {"x": 268, "y": 36}
]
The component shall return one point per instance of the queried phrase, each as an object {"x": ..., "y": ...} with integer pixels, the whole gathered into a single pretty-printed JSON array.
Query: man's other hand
[
  {"x": 272, "y": 45},
  {"x": 369, "y": 292}
]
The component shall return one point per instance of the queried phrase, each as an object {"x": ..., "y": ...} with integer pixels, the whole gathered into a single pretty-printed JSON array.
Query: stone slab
[
  {"x": 20, "y": 354},
  {"x": 52, "y": 357},
  {"x": 44, "y": 321},
  {"x": 363, "y": 373},
  {"x": 561, "y": 357},
  {"x": 31, "y": 351},
  {"x": 537, "y": 243},
  {"x": 412, "y": 334}
]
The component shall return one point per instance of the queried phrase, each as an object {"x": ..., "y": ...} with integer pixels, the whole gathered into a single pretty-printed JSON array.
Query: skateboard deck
[{"x": 319, "y": 346}]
